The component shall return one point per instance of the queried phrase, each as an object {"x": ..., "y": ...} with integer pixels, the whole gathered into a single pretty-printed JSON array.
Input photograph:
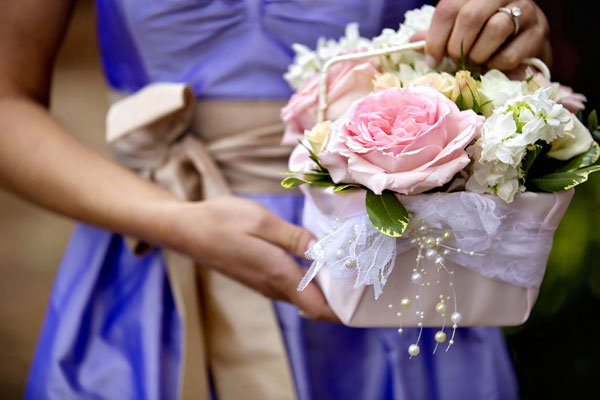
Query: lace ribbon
[{"x": 514, "y": 240}]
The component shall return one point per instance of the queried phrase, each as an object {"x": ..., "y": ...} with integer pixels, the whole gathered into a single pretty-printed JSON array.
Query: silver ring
[{"x": 514, "y": 13}]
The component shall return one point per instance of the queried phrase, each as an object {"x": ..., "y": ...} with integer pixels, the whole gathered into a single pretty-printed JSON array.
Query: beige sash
[{"x": 231, "y": 332}]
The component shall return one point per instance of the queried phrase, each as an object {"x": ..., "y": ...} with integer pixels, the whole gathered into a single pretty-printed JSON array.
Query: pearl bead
[
  {"x": 420, "y": 257},
  {"x": 429, "y": 242},
  {"x": 405, "y": 302},
  {"x": 398, "y": 314},
  {"x": 416, "y": 277},
  {"x": 439, "y": 241},
  {"x": 454, "y": 326},
  {"x": 414, "y": 350},
  {"x": 431, "y": 254},
  {"x": 441, "y": 308},
  {"x": 413, "y": 241},
  {"x": 417, "y": 297},
  {"x": 390, "y": 306},
  {"x": 456, "y": 317},
  {"x": 440, "y": 337},
  {"x": 340, "y": 253},
  {"x": 439, "y": 260},
  {"x": 419, "y": 324},
  {"x": 471, "y": 253},
  {"x": 422, "y": 229},
  {"x": 400, "y": 331},
  {"x": 459, "y": 250},
  {"x": 451, "y": 341},
  {"x": 446, "y": 252},
  {"x": 448, "y": 236}
]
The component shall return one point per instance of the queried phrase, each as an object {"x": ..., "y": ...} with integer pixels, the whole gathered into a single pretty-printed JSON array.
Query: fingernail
[
  {"x": 311, "y": 244},
  {"x": 430, "y": 61}
]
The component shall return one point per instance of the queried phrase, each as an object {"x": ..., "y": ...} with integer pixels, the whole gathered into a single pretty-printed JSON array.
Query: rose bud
[
  {"x": 318, "y": 136},
  {"x": 465, "y": 93}
]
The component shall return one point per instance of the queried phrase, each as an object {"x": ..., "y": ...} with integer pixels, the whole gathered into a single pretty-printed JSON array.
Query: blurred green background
[{"x": 555, "y": 352}]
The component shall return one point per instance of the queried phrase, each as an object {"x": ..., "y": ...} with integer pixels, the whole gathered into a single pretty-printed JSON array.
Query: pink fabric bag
[{"x": 497, "y": 289}]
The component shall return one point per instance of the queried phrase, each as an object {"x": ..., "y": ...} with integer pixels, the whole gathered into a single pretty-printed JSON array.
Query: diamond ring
[{"x": 514, "y": 13}]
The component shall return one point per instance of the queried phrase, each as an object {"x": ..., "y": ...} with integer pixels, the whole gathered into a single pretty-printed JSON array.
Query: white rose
[
  {"x": 576, "y": 140},
  {"x": 498, "y": 89}
]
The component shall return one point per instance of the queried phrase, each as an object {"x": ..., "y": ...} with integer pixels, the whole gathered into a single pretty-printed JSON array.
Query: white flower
[
  {"x": 351, "y": 40},
  {"x": 577, "y": 140},
  {"x": 505, "y": 137},
  {"x": 498, "y": 89},
  {"x": 412, "y": 67},
  {"x": 307, "y": 62},
  {"x": 493, "y": 177},
  {"x": 419, "y": 19}
]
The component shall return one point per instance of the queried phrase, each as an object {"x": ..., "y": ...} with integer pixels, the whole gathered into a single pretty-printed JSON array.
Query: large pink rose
[
  {"x": 405, "y": 140},
  {"x": 346, "y": 82}
]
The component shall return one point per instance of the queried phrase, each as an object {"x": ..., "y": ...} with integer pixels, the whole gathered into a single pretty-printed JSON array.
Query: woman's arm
[
  {"x": 486, "y": 35},
  {"x": 42, "y": 162}
]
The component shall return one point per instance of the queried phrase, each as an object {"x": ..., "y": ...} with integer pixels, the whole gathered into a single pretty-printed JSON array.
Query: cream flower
[
  {"x": 444, "y": 82},
  {"x": 318, "y": 136},
  {"x": 577, "y": 140},
  {"x": 385, "y": 80}
]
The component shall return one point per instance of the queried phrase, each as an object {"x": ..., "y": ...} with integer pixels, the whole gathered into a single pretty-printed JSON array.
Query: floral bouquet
[{"x": 443, "y": 187}]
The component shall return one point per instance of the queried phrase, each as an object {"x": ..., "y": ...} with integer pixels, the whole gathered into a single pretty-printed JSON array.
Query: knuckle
[
  {"x": 469, "y": 17},
  {"x": 499, "y": 28},
  {"x": 447, "y": 10}
]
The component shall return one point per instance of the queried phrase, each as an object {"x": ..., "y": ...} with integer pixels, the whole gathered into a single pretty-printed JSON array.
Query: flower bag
[{"x": 434, "y": 195}]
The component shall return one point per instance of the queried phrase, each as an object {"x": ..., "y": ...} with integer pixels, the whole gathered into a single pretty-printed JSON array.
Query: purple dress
[{"x": 111, "y": 330}]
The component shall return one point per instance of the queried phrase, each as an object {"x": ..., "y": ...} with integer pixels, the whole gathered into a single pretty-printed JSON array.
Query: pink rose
[
  {"x": 346, "y": 82},
  {"x": 405, "y": 140}
]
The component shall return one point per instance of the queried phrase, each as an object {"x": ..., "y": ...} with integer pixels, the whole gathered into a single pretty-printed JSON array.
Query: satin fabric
[
  {"x": 112, "y": 332},
  {"x": 226, "y": 49}
]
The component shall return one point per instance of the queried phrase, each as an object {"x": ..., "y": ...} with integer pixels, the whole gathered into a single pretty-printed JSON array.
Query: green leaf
[
  {"x": 559, "y": 181},
  {"x": 291, "y": 182},
  {"x": 386, "y": 213},
  {"x": 533, "y": 151},
  {"x": 593, "y": 121},
  {"x": 461, "y": 103},
  {"x": 596, "y": 135},
  {"x": 583, "y": 160},
  {"x": 463, "y": 64},
  {"x": 345, "y": 186}
]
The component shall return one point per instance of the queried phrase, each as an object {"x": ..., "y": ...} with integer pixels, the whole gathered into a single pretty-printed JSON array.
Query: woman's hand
[
  {"x": 486, "y": 35},
  {"x": 246, "y": 242}
]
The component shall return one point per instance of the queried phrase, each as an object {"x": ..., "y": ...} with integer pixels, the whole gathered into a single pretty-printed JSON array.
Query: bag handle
[{"x": 536, "y": 62}]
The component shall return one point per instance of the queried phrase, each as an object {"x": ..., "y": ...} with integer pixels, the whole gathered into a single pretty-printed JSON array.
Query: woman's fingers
[
  {"x": 476, "y": 29},
  {"x": 289, "y": 237},
  {"x": 469, "y": 22},
  {"x": 498, "y": 29},
  {"x": 525, "y": 45},
  {"x": 441, "y": 26},
  {"x": 276, "y": 275}
]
